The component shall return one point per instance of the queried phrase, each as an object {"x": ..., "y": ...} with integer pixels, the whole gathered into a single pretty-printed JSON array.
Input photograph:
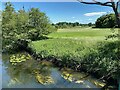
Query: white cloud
[
  {"x": 73, "y": 17},
  {"x": 95, "y": 13}
]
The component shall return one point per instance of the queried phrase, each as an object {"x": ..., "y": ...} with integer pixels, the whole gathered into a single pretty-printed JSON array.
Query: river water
[{"x": 21, "y": 77}]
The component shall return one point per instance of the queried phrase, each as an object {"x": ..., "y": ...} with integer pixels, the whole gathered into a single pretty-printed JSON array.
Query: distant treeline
[
  {"x": 70, "y": 24},
  {"x": 105, "y": 21}
]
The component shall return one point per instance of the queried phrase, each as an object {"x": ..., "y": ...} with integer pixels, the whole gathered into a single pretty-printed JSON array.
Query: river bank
[{"x": 92, "y": 62}]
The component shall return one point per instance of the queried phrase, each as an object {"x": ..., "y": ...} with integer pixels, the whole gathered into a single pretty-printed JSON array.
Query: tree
[
  {"x": 22, "y": 26},
  {"x": 8, "y": 24},
  {"x": 90, "y": 24},
  {"x": 22, "y": 21},
  {"x": 114, "y": 5},
  {"x": 39, "y": 22},
  {"x": 106, "y": 21}
]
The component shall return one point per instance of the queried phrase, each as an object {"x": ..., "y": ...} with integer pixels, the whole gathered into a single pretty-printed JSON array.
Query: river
[{"x": 22, "y": 76}]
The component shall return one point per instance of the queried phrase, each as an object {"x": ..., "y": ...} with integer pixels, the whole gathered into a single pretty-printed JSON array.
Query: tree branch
[{"x": 97, "y": 3}]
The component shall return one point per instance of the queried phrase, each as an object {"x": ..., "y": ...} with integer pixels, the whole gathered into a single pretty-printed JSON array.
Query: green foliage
[
  {"x": 106, "y": 21},
  {"x": 21, "y": 24},
  {"x": 18, "y": 58},
  {"x": 102, "y": 58},
  {"x": 66, "y": 24}
]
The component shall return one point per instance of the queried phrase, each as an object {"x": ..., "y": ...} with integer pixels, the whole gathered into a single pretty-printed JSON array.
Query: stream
[{"x": 43, "y": 74}]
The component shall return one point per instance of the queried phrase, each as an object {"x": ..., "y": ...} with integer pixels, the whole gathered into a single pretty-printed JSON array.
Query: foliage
[
  {"x": 103, "y": 59},
  {"x": 18, "y": 58},
  {"x": 21, "y": 24},
  {"x": 66, "y": 24},
  {"x": 106, "y": 21},
  {"x": 62, "y": 25}
]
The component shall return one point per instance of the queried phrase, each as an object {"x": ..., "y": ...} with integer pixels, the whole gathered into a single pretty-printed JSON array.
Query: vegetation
[
  {"x": 83, "y": 33},
  {"x": 66, "y": 24},
  {"x": 93, "y": 56},
  {"x": 78, "y": 48},
  {"x": 62, "y": 25},
  {"x": 24, "y": 25},
  {"x": 106, "y": 21},
  {"x": 18, "y": 58}
]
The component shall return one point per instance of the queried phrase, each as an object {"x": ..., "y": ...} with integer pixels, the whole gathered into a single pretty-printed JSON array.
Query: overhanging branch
[{"x": 97, "y": 3}]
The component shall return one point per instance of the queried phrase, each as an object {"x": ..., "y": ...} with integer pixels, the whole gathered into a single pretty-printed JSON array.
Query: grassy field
[
  {"x": 74, "y": 42},
  {"x": 82, "y": 33},
  {"x": 71, "y": 41}
]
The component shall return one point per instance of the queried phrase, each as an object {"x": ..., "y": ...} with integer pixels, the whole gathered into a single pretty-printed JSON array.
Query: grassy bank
[{"x": 91, "y": 52}]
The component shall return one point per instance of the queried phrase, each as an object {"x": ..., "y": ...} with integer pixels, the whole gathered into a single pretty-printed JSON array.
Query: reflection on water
[{"x": 33, "y": 74}]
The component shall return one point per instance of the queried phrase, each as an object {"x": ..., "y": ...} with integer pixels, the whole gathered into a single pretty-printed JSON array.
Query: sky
[{"x": 66, "y": 11}]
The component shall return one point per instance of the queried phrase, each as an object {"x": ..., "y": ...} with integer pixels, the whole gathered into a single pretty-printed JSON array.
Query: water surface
[{"x": 22, "y": 76}]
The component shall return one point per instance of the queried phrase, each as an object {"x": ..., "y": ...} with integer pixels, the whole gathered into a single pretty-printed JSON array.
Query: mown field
[
  {"x": 84, "y": 47},
  {"x": 83, "y": 33}
]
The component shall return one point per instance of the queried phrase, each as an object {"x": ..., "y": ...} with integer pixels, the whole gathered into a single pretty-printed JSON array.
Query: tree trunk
[
  {"x": 118, "y": 20},
  {"x": 117, "y": 17}
]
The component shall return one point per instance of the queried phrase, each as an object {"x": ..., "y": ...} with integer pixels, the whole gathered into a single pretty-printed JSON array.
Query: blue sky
[{"x": 66, "y": 11}]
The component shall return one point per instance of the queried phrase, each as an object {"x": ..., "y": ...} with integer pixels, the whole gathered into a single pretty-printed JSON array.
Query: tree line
[
  {"x": 71, "y": 24},
  {"x": 104, "y": 21}
]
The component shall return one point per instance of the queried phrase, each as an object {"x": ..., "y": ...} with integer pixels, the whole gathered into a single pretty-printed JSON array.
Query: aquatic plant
[{"x": 20, "y": 57}]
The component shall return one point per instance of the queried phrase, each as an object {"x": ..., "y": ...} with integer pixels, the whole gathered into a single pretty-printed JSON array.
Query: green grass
[
  {"x": 61, "y": 47},
  {"x": 82, "y": 33},
  {"x": 74, "y": 41}
]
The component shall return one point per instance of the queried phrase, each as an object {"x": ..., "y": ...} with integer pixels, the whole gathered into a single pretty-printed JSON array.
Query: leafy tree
[
  {"x": 39, "y": 23},
  {"x": 8, "y": 24},
  {"x": 106, "y": 21},
  {"x": 89, "y": 24},
  {"x": 22, "y": 22},
  {"x": 23, "y": 25}
]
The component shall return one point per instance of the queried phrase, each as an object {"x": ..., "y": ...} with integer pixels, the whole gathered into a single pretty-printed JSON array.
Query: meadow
[{"x": 73, "y": 40}]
